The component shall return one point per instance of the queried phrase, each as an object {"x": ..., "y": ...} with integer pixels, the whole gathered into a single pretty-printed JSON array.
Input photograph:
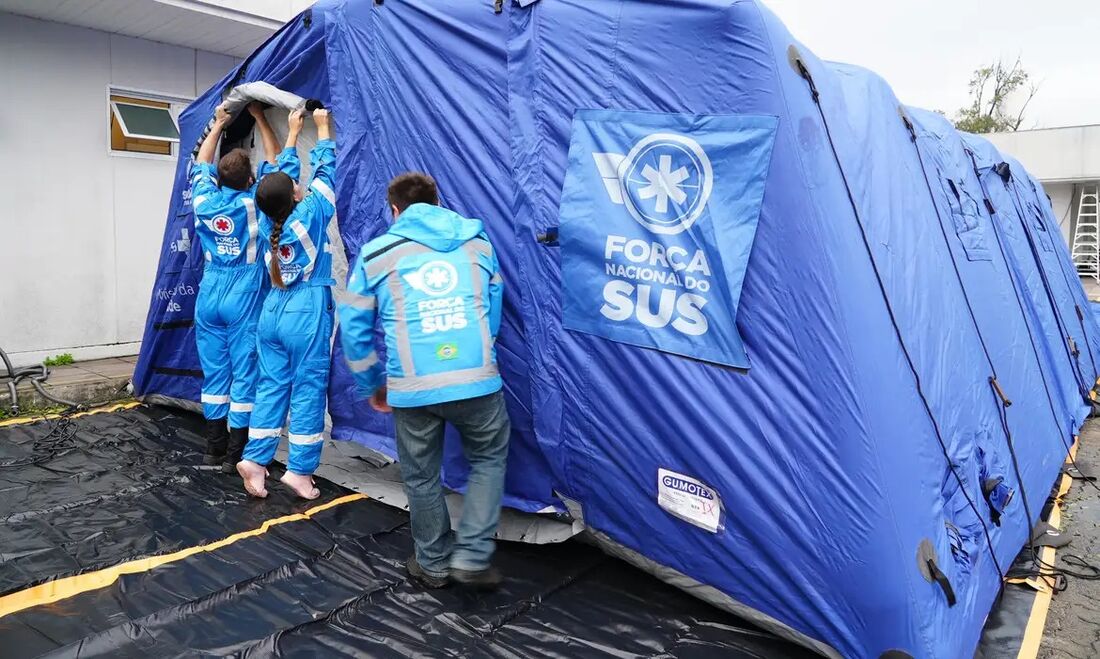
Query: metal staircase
[{"x": 1086, "y": 239}]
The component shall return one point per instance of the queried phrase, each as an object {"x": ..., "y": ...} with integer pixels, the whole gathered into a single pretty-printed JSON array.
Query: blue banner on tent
[{"x": 658, "y": 217}]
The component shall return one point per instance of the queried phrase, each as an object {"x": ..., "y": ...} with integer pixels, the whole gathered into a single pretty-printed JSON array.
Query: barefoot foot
[
  {"x": 253, "y": 476},
  {"x": 302, "y": 485}
]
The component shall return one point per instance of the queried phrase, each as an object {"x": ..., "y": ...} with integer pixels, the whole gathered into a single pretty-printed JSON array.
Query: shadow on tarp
[{"x": 80, "y": 495}]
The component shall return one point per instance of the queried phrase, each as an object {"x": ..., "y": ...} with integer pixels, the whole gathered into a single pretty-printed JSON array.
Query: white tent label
[{"x": 689, "y": 499}]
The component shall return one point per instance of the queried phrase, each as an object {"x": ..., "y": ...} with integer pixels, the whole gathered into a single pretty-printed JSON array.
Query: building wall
[
  {"x": 82, "y": 227},
  {"x": 1055, "y": 154},
  {"x": 1063, "y": 197},
  {"x": 1063, "y": 159},
  {"x": 280, "y": 10}
]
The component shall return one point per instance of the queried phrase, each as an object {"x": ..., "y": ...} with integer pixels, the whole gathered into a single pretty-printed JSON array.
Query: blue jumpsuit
[
  {"x": 295, "y": 329},
  {"x": 227, "y": 223}
]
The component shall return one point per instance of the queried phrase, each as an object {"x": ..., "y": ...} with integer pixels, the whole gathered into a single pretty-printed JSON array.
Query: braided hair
[{"x": 275, "y": 197}]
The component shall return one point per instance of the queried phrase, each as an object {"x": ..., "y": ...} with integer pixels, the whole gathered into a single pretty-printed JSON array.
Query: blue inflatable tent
[{"x": 803, "y": 351}]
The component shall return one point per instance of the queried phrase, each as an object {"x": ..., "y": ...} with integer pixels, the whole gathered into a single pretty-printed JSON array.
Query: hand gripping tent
[{"x": 805, "y": 352}]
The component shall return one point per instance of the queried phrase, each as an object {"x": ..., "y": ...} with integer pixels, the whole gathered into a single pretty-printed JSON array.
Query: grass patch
[{"x": 63, "y": 359}]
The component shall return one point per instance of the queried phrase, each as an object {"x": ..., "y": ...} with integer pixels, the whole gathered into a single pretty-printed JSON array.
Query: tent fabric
[{"x": 905, "y": 310}]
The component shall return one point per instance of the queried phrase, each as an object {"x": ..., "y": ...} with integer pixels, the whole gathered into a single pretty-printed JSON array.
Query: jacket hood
[{"x": 440, "y": 229}]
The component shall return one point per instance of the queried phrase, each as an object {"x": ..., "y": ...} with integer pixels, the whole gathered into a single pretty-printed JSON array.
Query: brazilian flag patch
[{"x": 445, "y": 351}]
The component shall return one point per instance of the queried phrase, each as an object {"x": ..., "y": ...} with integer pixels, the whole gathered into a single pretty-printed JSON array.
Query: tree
[{"x": 990, "y": 90}]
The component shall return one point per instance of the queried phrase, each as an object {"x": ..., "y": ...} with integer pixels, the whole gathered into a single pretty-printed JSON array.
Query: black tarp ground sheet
[{"x": 114, "y": 542}]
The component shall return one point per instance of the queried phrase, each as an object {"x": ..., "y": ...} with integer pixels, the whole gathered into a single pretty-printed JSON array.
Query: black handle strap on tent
[
  {"x": 1000, "y": 392},
  {"x": 800, "y": 66},
  {"x": 930, "y": 569},
  {"x": 944, "y": 583},
  {"x": 988, "y": 488}
]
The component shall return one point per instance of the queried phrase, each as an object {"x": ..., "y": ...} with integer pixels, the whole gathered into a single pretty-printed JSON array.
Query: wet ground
[{"x": 1073, "y": 623}]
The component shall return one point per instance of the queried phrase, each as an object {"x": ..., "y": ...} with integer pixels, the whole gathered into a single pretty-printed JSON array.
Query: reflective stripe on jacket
[{"x": 434, "y": 282}]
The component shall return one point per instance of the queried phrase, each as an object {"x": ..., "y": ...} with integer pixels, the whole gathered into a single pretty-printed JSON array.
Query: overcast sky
[{"x": 927, "y": 49}]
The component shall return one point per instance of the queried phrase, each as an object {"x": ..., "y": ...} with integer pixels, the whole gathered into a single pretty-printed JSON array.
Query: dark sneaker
[
  {"x": 423, "y": 578},
  {"x": 487, "y": 579}
]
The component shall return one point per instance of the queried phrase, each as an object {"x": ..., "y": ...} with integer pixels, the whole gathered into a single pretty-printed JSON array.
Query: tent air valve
[{"x": 1000, "y": 392}]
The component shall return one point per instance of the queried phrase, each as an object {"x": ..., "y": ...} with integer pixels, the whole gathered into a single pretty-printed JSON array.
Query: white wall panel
[
  {"x": 83, "y": 226},
  {"x": 141, "y": 64}
]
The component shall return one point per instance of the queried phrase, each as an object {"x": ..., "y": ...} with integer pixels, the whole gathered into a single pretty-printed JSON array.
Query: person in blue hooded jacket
[
  {"x": 295, "y": 328},
  {"x": 233, "y": 283},
  {"x": 434, "y": 283}
]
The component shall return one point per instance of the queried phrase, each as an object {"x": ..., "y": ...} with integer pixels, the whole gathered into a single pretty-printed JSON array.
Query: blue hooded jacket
[{"x": 434, "y": 282}]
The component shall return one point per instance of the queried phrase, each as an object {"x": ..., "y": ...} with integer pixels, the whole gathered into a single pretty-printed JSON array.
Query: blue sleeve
[
  {"x": 496, "y": 295},
  {"x": 322, "y": 162},
  {"x": 287, "y": 162},
  {"x": 357, "y": 310},
  {"x": 204, "y": 184}
]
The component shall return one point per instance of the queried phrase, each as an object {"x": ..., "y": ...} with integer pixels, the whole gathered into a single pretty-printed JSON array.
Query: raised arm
[
  {"x": 287, "y": 161},
  {"x": 271, "y": 143},
  {"x": 320, "y": 117},
  {"x": 322, "y": 162},
  {"x": 210, "y": 144},
  {"x": 294, "y": 128}
]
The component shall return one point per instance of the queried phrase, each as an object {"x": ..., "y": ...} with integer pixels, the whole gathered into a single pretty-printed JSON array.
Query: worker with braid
[
  {"x": 295, "y": 325},
  {"x": 233, "y": 283}
]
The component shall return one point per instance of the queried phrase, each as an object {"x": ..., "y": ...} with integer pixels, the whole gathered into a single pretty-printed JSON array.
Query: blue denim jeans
[{"x": 484, "y": 425}]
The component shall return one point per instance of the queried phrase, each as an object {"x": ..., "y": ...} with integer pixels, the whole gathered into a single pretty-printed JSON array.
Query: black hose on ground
[{"x": 37, "y": 375}]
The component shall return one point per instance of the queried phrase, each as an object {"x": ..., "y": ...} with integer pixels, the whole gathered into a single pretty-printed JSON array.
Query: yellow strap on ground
[
  {"x": 60, "y": 589},
  {"x": 1037, "y": 620},
  {"x": 111, "y": 407}
]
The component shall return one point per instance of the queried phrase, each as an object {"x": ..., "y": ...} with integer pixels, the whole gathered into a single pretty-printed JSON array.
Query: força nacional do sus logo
[
  {"x": 664, "y": 183},
  {"x": 657, "y": 219},
  {"x": 441, "y": 311}
]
